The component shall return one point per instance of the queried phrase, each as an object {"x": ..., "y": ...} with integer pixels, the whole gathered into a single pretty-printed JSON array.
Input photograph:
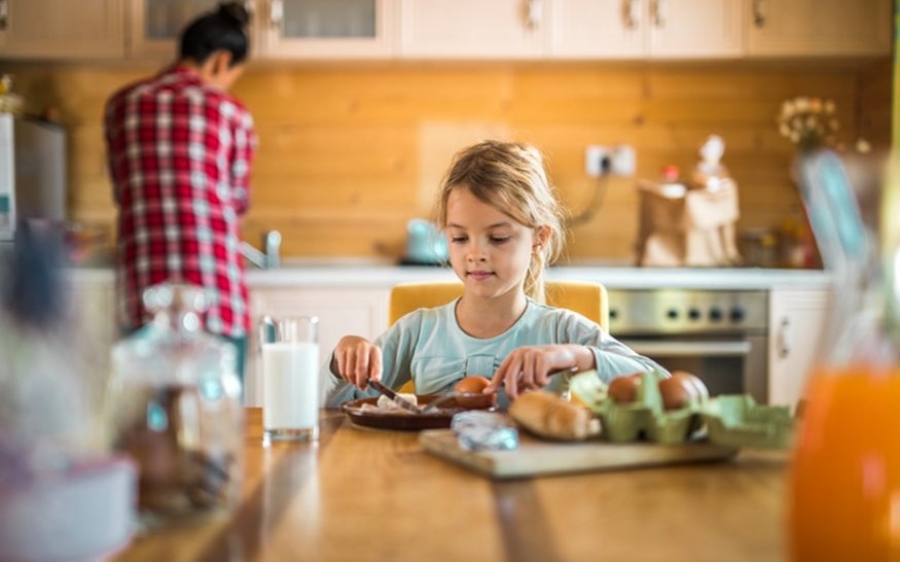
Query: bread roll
[{"x": 548, "y": 415}]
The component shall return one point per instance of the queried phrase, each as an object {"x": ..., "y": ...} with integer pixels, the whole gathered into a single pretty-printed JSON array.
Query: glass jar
[
  {"x": 845, "y": 473},
  {"x": 174, "y": 399}
]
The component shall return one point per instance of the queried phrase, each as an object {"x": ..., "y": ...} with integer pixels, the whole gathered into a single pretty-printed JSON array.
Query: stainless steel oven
[{"x": 719, "y": 335}]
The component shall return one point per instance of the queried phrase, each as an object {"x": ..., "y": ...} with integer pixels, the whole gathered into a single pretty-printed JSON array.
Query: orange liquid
[{"x": 845, "y": 476}]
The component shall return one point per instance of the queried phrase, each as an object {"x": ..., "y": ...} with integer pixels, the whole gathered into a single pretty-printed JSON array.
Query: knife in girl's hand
[{"x": 395, "y": 398}]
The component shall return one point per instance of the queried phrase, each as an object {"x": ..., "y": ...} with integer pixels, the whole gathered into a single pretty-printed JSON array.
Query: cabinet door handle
[
  {"x": 535, "y": 13},
  {"x": 738, "y": 348},
  {"x": 276, "y": 12},
  {"x": 759, "y": 13},
  {"x": 660, "y": 10},
  {"x": 632, "y": 14},
  {"x": 784, "y": 338},
  {"x": 4, "y": 14}
]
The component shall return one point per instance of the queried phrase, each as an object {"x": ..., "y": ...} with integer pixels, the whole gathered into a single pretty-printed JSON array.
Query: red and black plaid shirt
[{"x": 179, "y": 156}]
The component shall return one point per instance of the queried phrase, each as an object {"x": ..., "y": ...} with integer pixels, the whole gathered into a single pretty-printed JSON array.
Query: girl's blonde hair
[{"x": 511, "y": 178}]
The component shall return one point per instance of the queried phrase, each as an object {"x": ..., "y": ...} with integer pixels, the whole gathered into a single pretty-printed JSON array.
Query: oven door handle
[{"x": 689, "y": 348}]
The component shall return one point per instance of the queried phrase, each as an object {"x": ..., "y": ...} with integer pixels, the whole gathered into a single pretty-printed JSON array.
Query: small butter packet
[{"x": 477, "y": 430}]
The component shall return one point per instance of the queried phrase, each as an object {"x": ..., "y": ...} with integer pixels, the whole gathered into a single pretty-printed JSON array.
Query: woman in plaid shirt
[{"x": 179, "y": 150}]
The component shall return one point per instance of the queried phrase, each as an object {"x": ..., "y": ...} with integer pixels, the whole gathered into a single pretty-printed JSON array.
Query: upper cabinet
[
  {"x": 280, "y": 29},
  {"x": 322, "y": 29},
  {"x": 695, "y": 28},
  {"x": 820, "y": 28},
  {"x": 460, "y": 29},
  {"x": 616, "y": 29},
  {"x": 507, "y": 29},
  {"x": 62, "y": 29},
  {"x": 154, "y": 25}
]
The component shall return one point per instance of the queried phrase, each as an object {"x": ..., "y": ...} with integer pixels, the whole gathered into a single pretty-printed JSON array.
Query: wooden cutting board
[{"x": 535, "y": 457}]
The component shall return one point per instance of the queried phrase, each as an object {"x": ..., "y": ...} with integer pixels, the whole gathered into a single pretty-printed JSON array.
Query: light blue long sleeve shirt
[{"x": 428, "y": 347}]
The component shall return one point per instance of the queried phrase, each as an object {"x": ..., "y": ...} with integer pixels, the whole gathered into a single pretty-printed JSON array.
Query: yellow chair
[{"x": 586, "y": 298}]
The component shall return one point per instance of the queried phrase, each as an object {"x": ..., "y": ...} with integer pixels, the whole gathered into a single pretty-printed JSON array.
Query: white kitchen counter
[{"x": 374, "y": 276}]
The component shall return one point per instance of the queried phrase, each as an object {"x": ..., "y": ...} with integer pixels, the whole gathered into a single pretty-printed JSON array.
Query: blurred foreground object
[
  {"x": 174, "y": 403},
  {"x": 61, "y": 495},
  {"x": 845, "y": 475}
]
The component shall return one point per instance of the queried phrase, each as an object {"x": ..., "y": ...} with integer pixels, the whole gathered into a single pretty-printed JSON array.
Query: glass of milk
[{"x": 290, "y": 369}]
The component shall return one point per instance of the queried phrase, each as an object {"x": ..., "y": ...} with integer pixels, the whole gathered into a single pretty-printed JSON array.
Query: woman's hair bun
[{"x": 235, "y": 11}]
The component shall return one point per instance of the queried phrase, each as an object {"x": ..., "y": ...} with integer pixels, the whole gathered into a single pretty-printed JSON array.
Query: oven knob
[
  {"x": 694, "y": 314},
  {"x": 613, "y": 313},
  {"x": 715, "y": 314},
  {"x": 672, "y": 314},
  {"x": 737, "y": 314}
]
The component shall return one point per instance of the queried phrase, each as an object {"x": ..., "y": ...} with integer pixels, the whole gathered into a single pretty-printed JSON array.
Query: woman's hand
[
  {"x": 356, "y": 360},
  {"x": 529, "y": 367}
]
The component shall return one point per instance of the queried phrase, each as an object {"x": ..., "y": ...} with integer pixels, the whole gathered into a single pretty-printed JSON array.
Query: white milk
[{"x": 290, "y": 385}]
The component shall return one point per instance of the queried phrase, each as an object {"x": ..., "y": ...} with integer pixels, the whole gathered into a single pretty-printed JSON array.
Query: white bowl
[{"x": 86, "y": 513}]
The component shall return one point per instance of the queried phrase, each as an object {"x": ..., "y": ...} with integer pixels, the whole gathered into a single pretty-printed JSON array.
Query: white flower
[{"x": 808, "y": 122}]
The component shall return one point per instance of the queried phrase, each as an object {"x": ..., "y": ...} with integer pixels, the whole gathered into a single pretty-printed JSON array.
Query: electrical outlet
[
  {"x": 616, "y": 160},
  {"x": 596, "y": 161}
]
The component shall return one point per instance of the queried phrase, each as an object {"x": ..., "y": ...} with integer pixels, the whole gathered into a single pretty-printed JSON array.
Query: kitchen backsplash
[{"x": 349, "y": 153}]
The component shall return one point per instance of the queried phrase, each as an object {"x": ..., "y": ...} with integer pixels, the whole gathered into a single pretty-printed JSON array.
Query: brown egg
[
  {"x": 624, "y": 389},
  {"x": 469, "y": 393},
  {"x": 471, "y": 384},
  {"x": 681, "y": 389},
  {"x": 702, "y": 393}
]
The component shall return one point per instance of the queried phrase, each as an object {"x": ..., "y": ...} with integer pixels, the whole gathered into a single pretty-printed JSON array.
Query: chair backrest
[{"x": 587, "y": 298}]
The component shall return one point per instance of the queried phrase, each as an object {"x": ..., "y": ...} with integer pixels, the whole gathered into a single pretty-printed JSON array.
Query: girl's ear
[{"x": 541, "y": 237}]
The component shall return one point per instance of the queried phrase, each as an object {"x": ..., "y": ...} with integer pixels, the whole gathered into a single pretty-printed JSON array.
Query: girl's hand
[
  {"x": 529, "y": 367},
  {"x": 356, "y": 360}
]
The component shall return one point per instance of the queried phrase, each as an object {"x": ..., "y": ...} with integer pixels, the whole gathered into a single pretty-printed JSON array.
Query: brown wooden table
[{"x": 371, "y": 495}]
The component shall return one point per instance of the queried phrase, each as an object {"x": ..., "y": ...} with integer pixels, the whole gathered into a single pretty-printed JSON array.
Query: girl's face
[{"x": 489, "y": 250}]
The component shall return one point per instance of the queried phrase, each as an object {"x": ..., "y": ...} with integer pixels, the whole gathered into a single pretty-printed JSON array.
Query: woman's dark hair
[{"x": 222, "y": 29}]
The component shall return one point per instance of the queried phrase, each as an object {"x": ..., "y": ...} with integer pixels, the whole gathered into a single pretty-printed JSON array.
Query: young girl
[{"x": 503, "y": 225}]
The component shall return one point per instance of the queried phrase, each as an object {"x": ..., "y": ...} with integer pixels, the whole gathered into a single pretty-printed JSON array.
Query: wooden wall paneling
[
  {"x": 349, "y": 153},
  {"x": 875, "y": 104}
]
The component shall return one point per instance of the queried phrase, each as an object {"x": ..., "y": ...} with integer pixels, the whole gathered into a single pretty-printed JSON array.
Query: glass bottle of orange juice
[{"x": 844, "y": 483}]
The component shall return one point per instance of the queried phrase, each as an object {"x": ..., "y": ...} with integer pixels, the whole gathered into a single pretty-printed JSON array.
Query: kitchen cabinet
[
  {"x": 326, "y": 29},
  {"x": 341, "y": 311},
  {"x": 280, "y": 29},
  {"x": 472, "y": 29},
  {"x": 619, "y": 29},
  {"x": 62, "y": 29},
  {"x": 459, "y": 29},
  {"x": 155, "y": 25},
  {"x": 797, "y": 318},
  {"x": 571, "y": 29},
  {"x": 820, "y": 28}
]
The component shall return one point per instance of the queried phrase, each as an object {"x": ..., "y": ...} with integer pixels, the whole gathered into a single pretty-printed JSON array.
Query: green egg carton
[
  {"x": 676, "y": 426},
  {"x": 646, "y": 418},
  {"x": 735, "y": 420},
  {"x": 625, "y": 422}
]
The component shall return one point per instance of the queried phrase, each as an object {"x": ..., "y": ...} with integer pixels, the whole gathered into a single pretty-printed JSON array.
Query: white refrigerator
[{"x": 32, "y": 172}]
